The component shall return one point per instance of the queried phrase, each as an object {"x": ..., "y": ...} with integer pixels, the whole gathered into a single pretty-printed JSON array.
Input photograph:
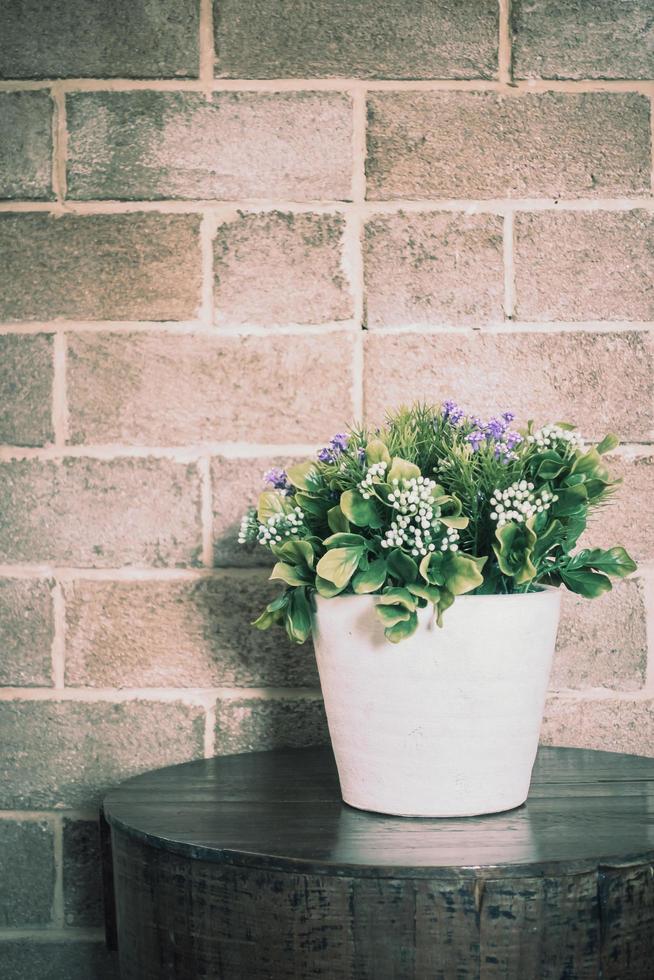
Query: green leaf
[
  {"x": 401, "y": 469},
  {"x": 608, "y": 443},
  {"x": 431, "y": 568},
  {"x": 343, "y": 539},
  {"x": 376, "y": 452},
  {"x": 397, "y": 595},
  {"x": 295, "y": 553},
  {"x": 614, "y": 562},
  {"x": 429, "y": 592},
  {"x": 273, "y": 613},
  {"x": 304, "y": 476},
  {"x": 463, "y": 574},
  {"x": 571, "y": 501},
  {"x": 551, "y": 466},
  {"x": 327, "y": 589},
  {"x": 337, "y": 520},
  {"x": 444, "y": 603},
  {"x": 514, "y": 553},
  {"x": 291, "y": 574},
  {"x": 391, "y": 615},
  {"x": 312, "y": 504},
  {"x": 586, "y": 583},
  {"x": 451, "y": 508},
  {"x": 339, "y": 565},
  {"x": 298, "y": 616},
  {"x": 371, "y": 579},
  {"x": 272, "y": 502},
  {"x": 590, "y": 464},
  {"x": 552, "y": 536},
  {"x": 401, "y": 566},
  {"x": 358, "y": 510},
  {"x": 400, "y": 631},
  {"x": 574, "y": 527}
]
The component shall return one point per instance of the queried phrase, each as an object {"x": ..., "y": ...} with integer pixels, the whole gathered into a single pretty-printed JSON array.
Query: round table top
[{"x": 282, "y": 810}]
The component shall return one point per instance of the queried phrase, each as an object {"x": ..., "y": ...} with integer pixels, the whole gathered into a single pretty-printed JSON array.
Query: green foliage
[{"x": 431, "y": 506}]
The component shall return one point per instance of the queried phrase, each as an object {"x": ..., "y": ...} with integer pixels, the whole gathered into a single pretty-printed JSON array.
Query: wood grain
[{"x": 250, "y": 867}]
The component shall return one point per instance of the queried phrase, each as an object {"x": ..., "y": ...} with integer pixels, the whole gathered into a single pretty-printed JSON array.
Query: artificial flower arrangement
[{"x": 433, "y": 505}]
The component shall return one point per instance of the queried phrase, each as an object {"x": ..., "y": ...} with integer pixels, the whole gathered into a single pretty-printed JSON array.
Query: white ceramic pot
[{"x": 445, "y": 723}]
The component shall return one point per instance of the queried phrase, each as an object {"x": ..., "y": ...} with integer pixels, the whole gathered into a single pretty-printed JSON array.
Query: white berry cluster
[
  {"x": 375, "y": 472},
  {"x": 518, "y": 503},
  {"x": 417, "y": 526},
  {"x": 549, "y": 435},
  {"x": 274, "y": 530}
]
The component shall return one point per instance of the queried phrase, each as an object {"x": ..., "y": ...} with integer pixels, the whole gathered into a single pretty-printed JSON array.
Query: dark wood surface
[{"x": 250, "y": 867}]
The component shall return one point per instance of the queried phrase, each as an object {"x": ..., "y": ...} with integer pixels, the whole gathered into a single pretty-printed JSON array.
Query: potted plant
[{"x": 425, "y": 558}]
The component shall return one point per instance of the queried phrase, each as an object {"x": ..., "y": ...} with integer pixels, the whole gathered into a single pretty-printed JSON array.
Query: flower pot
[{"x": 445, "y": 723}]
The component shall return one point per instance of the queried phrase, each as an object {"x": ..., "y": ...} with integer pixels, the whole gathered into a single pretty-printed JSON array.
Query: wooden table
[{"x": 250, "y": 867}]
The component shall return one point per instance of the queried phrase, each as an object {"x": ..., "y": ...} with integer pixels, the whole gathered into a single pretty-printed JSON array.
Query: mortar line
[
  {"x": 210, "y": 731},
  {"x": 334, "y": 206},
  {"x": 206, "y": 312},
  {"x": 130, "y": 573},
  {"x": 290, "y": 330},
  {"x": 58, "y": 649},
  {"x": 509, "y": 271},
  {"x": 34, "y": 816},
  {"x": 66, "y": 934},
  {"x": 59, "y": 395},
  {"x": 206, "y": 45},
  {"x": 504, "y": 54},
  {"x": 58, "y": 915},
  {"x": 646, "y": 576},
  {"x": 651, "y": 137},
  {"x": 341, "y": 84},
  {"x": 59, "y": 144},
  {"x": 181, "y": 454},
  {"x": 206, "y": 510},
  {"x": 192, "y": 696},
  {"x": 356, "y": 240}
]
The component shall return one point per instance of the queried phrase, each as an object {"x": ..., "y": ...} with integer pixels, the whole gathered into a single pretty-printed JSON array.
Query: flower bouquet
[{"x": 448, "y": 534}]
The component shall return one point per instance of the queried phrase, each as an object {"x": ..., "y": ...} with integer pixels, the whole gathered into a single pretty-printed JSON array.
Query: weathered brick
[
  {"x": 56, "y": 960},
  {"x": 273, "y": 39},
  {"x": 27, "y": 872},
  {"x": 629, "y": 519},
  {"x": 178, "y": 389},
  {"x": 135, "y": 145},
  {"x": 281, "y": 268},
  {"x": 82, "y": 873},
  {"x": 481, "y": 145},
  {"x": 573, "y": 376},
  {"x": 255, "y": 724},
  {"x": 68, "y": 753},
  {"x": 26, "y": 368},
  {"x": 603, "y": 643},
  {"x": 611, "y": 724},
  {"x": 593, "y": 265},
  {"x": 236, "y": 485},
  {"x": 433, "y": 267},
  {"x": 563, "y": 39},
  {"x": 26, "y": 147},
  {"x": 91, "y": 38},
  {"x": 100, "y": 267},
  {"x": 100, "y": 513},
  {"x": 179, "y": 634},
  {"x": 26, "y": 633}
]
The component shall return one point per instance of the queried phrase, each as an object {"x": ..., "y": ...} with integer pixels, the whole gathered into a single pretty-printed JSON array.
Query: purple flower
[
  {"x": 512, "y": 439},
  {"x": 476, "y": 438},
  {"x": 277, "y": 478},
  {"x": 452, "y": 412},
  {"x": 339, "y": 442},
  {"x": 495, "y": 428},
  {"x": 508, "y": 416},
  {"x": 362, "y": 455},
  {"x": 326, "y": 455}
]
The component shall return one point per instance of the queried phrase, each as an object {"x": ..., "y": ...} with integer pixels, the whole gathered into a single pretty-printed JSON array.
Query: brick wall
[{"x": 223, "y": 233}]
